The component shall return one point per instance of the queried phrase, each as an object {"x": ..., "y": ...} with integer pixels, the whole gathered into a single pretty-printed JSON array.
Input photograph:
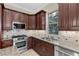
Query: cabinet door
[
  {"x": 31, "y": 22},
  {"x": 42, "y": 21},
  {"x": 0, "y": 22},
  {"x": 37, "y": 21},
  {"x": 26, "y": 21},
  {"x": 0, "y": 44},
  {"x": 22, "y": 17},
  {"x": 77, "y": 10},
  {"x": 43, "y": 48},
  {"x": 16, "y": 16},
  {"x": 69, "y": 16},
  {"x": 7, "y": 43},
  {"x": 30, "y": 43},
  {"x": 1, "y": 10},
  {"x": 7, "y": 19},
  {"x": 72, "y": 16},
  {"x": 63, "y": 16}
]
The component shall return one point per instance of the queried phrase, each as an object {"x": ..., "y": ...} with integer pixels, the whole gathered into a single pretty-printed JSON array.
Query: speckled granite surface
[{"x": 10, "y": 51}]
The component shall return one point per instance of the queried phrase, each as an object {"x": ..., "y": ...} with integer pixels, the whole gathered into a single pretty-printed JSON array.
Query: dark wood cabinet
[
  {"x": 10, "y": 16},
  {"x": 1, "y": 17},
  {"x": 41, "y": 47},
  {"x": 69, "y": 16},
  {"x": 7, "y": 19},
  {"x": 73, "y": 16},
  {"x": 31, "y": 22},
  {"x": 7, "y": 43},
  {"x": 30, "y": 43},
  {"x": 63, "y": 16},
  {"x": 24, "y": 19},
  {"x": 0, "y": 44},
  {"x": 41, "y": 20},
  {"x": 77, "y": 11},
  {"x": 16, "y": 16}
]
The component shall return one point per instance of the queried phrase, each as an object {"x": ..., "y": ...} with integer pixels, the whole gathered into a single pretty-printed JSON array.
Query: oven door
[{"x": 21, "y": 46}]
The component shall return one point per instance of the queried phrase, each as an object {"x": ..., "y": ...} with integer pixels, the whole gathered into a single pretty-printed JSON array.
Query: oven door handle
[{"x": 64, "y": 52}]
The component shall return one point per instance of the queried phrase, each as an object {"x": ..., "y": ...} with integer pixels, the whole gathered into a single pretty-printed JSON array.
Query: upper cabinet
[
  {"x": 0, "y": 23},
  {"x": 7, "y": 19},
  {"x": 41, "y": 20},
  {"x": 32, "y": 22},
  {"x": 69, "y": 16},
  {"x": 10, "y": 16}
]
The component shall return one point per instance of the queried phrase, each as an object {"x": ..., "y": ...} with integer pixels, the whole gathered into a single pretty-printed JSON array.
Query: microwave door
[
  {"x": 23, "y": 26},
  {"x": 16, "y": 26}
]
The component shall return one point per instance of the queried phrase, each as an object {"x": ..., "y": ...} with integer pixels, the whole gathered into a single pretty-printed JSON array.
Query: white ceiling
[{"x": 30, "y": 7}]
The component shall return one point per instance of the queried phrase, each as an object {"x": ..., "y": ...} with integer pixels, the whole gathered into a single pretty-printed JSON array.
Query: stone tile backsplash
[
  {"x": 64, "y": 36},
  {"x": 69, "y": 36},
  {"x": 9, "y": 34}
]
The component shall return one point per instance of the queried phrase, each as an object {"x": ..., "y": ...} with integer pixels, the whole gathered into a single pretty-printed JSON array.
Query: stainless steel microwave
[{"x": 18, "y": 25}]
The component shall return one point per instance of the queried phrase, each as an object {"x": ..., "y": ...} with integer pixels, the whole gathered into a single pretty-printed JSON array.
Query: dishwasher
[{"x": 59, "y": 51}]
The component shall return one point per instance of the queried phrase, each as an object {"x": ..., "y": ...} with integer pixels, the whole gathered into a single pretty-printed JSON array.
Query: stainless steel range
[{"x": 20, "y": 42}]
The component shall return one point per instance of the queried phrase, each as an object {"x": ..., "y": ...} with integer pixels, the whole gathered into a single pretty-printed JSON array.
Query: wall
[
  {"x": 69, "y": 37},
  {"x": 51, "y": 7},
  {"x": 9, "y": 34}
]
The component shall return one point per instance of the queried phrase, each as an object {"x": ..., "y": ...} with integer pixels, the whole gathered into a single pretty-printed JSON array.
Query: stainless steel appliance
[
  {"x": 18, "y": 25},
  {"x": 59, "y": 51},
  {"x": 20, "y": 42}
]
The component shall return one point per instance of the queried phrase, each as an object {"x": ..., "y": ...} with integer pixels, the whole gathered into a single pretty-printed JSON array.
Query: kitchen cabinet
[
  {"x": 1, "y": 17},
  {"x": 30, "y": 43},
  {"x": 10, "y": 16},
  {"x": 41, "y": 20},
  {"x": 77, "y": 21},
  {"x": 7, "y": 19},
  {"x": 24, "y": 19},
  {"x": 7, "y": 43},
  {"x": 41, "y": 47},
  {"x": 20, "y": 17},
  {"x": 73, "y": 17},
  {"x": 16, "y": 16},
  {"x": 68, "y": 16},
  {"x": 63, "y": 16},
  {"x": 31, "y": 22},
  {"x": 0, "y": 44}
]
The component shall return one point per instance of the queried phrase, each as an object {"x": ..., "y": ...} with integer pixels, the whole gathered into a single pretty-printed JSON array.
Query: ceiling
[{"x": 26, "y": 7}]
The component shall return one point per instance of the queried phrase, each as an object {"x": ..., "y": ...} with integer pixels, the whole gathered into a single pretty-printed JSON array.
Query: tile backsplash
[
  {"x": 69, "y": 36},
  {"x": 64, "y": 36},
  {"x": 9, "y": 34}
]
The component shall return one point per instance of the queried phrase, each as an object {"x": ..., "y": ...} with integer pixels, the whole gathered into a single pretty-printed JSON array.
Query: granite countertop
[
  {"x": 68, "y": 45},
  {"x": 11, "y": 51}
]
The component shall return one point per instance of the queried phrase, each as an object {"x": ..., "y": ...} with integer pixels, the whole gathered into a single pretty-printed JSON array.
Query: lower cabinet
[
  {"x": 7, "y": 43},
  {"x": 41, "y": 47},
  {"x": 30, "y": 43},
  {"x": 0, "y": 44}
]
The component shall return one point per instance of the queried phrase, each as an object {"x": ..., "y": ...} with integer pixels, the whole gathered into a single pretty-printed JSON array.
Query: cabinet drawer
[{"x": 7, "y": 43}]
